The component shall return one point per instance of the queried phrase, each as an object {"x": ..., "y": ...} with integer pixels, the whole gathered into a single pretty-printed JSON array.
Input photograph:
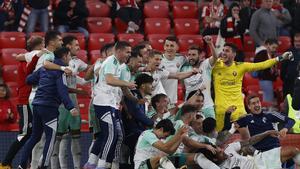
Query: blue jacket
[
  {"x": 51, "y": 88},
  {"x": 259, "y": 123},
  {"x": 139, "y": 120}
]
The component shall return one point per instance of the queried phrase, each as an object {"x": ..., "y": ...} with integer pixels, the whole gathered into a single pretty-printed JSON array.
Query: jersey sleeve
[
  {"x": 250, "y": 67},
  {"x": 82, "y": 65},
  {"x": 109, "y": 68},
  {"x": 233, "y": 148},
  {"x": 278, "y": 117},
  {"x": 151, "y": 138},
  {"x": 163, "y": 74},
  {"x": 243, "y": 121},
  {"x": 49, "y": 57}
]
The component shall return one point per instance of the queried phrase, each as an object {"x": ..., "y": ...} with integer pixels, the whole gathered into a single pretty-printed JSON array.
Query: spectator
[
  {"x": 264, "y": 24},
  {"x": 71, "y": 15},
  {"x": 129, "y": 12},
  {"x": 295, "y": 17},
  {"x": 289, "y": 68},
  {"x": 39, "y": 11},
  {"x": 212, "y": 15},
  {"x": 10, "y": 12},
  {"x": 7, "y": 116},
  {"x": 267, "y": 76},
  {"x": 232, "y": 29},
  {"x": 259, "y": 121},
  {"x": 283, "y": 16},
  {"x": 246, "y": 13}
]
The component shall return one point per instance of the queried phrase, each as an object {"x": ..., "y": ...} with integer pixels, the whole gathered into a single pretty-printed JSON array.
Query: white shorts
[{"x": 268, "y": 159}]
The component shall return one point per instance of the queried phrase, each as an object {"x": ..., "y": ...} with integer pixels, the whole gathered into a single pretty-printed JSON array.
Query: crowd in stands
[{"x": 161, "y": 83}]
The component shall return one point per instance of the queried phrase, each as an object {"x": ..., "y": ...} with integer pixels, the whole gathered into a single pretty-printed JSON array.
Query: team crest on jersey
[
  {"x": 178, "y": 65},
  {"x": 234, "y": 73},
  {"x": 264, "y": 119}
]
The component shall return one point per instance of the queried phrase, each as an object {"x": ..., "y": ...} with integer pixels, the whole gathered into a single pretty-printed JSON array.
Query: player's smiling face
[
  {"x": 254, "y": 105},
  {"x": 193, "y": 57},
  {"x": 227, "y": 55},
  {"x": 155, "y": 61},
  {"x": 170, "y": 47}
]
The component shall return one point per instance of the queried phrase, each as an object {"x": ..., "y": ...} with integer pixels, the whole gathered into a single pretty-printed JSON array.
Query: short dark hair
[
  {"x": 250, "y": 97},
  {"x": 172, "y": 39},
  {"x": 33, "y": 42},
  {"x": 166, "y": 125},
  {"x": 232, "y": 46},
  {"x": 134, "y": 54},
  {"x": 50, "y": 36},
  {"x": 192, "y": 93},
  {"x": 106, "y": 47},
  {"x": 209, "y": 125},
  {"x": 152, "y": 53},
  {"x": 138, "y": 48},
  {"x": 60, "y": 52},
  {"x": 121, "y": 45},
  {"x": 155, "y": 99},
  {"x": 195, "y": 47},
  {"x": 67, "y": 40},
  {"x": 271, "y": 41},
  {"x": 187, "y": 108},
  {"x": 143, "y": 79}
]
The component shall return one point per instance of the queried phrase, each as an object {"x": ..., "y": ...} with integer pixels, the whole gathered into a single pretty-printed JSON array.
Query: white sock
[
  {"x": 115, "y": 165},
  {"x": 91, "y": 146},
  {"x": 76, "y": 152},
  {"x": 37, "y": 152},
  {"x": 103, "y": 164},
  {"x": 63, "y": 152},
  {"x": 204, "y": 163},
  {"x": 93, "y": 159},
  {"x": 54, "y": 157}
]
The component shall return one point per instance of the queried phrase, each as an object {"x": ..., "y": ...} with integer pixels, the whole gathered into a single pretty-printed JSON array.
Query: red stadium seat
[
  {"x": 8, "y": 56},
  {"x": 87, "y": 88},
  {"x": 185, "y": 41},
  {"x": 157, "y": 41},
  {"x": 99, "y": 24},
  {"x": 97, "y": 40},
  {"x": 94, "y": 55},
  {"x": 186, "y": 26},
  {"x": 9, "y": 73},
  {"x": 284, "y": 43},
  {"x": 120, "y": 25},
  {"x": 84, "y": 105},
  {"x": 98, "y": 9},
  {"x": 13, "y": 88},
  {"x": 180, "y": 92},
  {"x": 133, "y": 39},
  {"x": 250, "y": 84},
  {"x": 79, "y": 36},
  {"x": 82, "y": 54},
  {"x": 249, "y": 44},
  {"x": 156, "y": 9},
  {"x": 184, "y": 9},
  {"x": 12, "y": 40},
  {"x": 157, "y": 26},
  {"x": 249, "y": 56}
]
